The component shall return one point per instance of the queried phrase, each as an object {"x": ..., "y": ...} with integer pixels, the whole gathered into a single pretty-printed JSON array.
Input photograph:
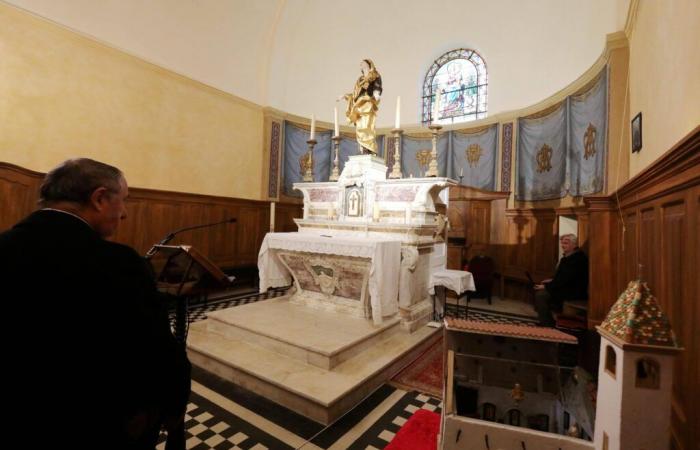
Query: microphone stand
[{"x": 169, "y": 237}]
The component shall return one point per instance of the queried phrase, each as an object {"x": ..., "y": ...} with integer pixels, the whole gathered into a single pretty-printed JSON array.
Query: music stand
[{"x": 184, "y": 272}]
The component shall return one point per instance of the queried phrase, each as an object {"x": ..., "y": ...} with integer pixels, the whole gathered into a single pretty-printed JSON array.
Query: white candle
[
  {"x": 436, "y": 106},
  {"x": 335, "y": 115},
  {"x": 461, "y": 171},
  {"x": 375, "y": 213},
  {"x": 397, "y": 124},
  {"x": 312, "y": 134},
  {"x": 272, "y": 216}
]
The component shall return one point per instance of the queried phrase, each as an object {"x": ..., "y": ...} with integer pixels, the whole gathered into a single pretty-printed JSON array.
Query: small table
[{"x": 458, "y": 281}]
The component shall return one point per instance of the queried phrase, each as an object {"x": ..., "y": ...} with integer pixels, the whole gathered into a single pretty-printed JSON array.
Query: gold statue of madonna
[{"x": 363, "y": 105}]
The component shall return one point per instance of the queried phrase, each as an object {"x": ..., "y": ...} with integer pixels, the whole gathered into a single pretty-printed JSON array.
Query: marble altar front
[
  {"x": 363, "y": 209},
  {"x": 361, "y": 265}
]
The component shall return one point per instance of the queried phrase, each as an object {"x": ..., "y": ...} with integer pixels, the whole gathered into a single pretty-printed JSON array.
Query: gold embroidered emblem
[
  {"x": 589, "y": 141},
  {"x": 544, "y": 159},
  {"x": 423, "y": 158},
  {"x": 473, "y": 154},
  {"x": 304, "y": 162}
]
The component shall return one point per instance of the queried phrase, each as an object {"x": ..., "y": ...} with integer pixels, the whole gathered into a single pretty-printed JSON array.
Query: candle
[
  {"x": 313, "y": 128},
  {"x": 335, "y": 115},
  {"x": 375, "y": 213},
  {"x": 436, "y": 106},
  {"x": 397, "y": 124},
  {"x": 461, "y": 171},
  {"x": 272, "y": 216}
]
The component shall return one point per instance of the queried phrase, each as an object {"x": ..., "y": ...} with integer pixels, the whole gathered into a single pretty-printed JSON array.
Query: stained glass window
[{"x": 455, "y": 88}]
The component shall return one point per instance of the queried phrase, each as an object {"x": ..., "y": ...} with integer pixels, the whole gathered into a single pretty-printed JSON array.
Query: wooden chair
[{"x": 482, "y": 269}]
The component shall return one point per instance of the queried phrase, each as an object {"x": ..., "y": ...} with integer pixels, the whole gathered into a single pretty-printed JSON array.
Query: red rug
[
  {"x": 419, "y": 433},
  {"x": 424, "y": 374}
]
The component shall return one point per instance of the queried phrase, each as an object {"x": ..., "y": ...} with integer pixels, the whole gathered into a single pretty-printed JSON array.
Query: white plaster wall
[
  {"x": 299, "y": 55},
  {"x": 223, "y": 43},
  {"x": 532, "y": 49},
  {"x": 609, "y": 400},
  {"x": 503, "y": 437},
  {"x": 646, "y": 412}
]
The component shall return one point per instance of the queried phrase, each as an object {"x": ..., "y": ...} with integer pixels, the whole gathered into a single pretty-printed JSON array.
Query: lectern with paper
[{"x": 185, "y": 273}]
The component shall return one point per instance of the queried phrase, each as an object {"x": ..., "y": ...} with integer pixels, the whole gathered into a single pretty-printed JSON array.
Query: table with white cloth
[
  {"x": 458, "y": 281},
  {"x": 336, "y": 269}
]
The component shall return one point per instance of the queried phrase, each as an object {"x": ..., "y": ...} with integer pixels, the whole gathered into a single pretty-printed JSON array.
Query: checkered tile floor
[{"x": 211, "y": 425}]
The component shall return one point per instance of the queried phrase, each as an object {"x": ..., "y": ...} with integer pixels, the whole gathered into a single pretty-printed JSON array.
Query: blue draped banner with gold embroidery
[
  {"x": 588, "y": 137},
  {"x": 474, "y": 156},
  {"x": 295, "y": 150},
  {"x": 415, "y": 155},
  {"x": 542, "y": 155}
]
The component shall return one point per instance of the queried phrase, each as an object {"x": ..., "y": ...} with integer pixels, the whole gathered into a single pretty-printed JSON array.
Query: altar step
[{"x": 316, "y": 363}]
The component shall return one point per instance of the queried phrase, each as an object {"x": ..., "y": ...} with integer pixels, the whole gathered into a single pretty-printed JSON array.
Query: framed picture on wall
[{"x": 637, "y": 133}]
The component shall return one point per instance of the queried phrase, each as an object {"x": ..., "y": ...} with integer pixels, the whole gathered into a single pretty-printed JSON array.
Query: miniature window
[
  {"x": 647, "y": 374},
  {"x": 455, "y": 88},
  {"x": 610, "y": 361},
  {"x": 489, "y": 412},
  {"x": 514, "y": 417}
]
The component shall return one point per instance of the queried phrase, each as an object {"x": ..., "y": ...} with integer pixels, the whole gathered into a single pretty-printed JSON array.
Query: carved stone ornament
[
  {"x": 473, "y": 154},
  {"x": 544, "y": 159},
  {"x": 324, "y": 274},
  {"x": 589, "y": 141},
  {"x": 353, "y": 202}
]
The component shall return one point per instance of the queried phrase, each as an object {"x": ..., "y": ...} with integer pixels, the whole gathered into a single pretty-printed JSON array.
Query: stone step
[
  {"x": 319, "y": 394},
  {"x": 319, "y": 338}
]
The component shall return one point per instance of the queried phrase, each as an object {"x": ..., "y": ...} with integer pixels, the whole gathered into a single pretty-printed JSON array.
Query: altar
[
  {"x": 337, "y": 273},
  {"x": 360, "y": 268}
]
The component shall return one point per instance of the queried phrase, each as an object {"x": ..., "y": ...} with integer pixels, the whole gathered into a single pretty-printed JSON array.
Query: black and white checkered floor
[{"x": 224, "y": 416}]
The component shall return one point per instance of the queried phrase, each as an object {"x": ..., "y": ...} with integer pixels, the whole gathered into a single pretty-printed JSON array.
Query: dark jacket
[
  {"x": 100, "y": 349},
  {"x": 570, "y": 281}
]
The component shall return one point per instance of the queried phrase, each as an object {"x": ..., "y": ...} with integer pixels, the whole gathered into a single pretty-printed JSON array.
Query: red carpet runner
[{"x": 419, "y": 433}]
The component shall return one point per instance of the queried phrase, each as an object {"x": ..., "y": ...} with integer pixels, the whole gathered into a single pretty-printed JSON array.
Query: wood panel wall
[
  {"x": 656, "y": 224},
  {"x": 152, "y": 214}
]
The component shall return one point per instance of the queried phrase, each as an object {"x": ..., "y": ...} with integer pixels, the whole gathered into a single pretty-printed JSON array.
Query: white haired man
[{"x": 570, "y": 281}]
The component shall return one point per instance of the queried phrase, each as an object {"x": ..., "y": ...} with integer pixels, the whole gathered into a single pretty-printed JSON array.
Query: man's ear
[{"x": 98, "y": 198}]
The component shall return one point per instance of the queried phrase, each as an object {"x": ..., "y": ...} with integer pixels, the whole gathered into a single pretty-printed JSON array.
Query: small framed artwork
[{"x": 637, "y": 133}]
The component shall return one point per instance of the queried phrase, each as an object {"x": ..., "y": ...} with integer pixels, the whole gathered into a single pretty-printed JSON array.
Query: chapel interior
[{"x": 209, "y": 108}]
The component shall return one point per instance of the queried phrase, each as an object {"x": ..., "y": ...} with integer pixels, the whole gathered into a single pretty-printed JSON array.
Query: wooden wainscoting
[
  {"x": 657, "y": 225},
  {"x": 152, "y": 214}
]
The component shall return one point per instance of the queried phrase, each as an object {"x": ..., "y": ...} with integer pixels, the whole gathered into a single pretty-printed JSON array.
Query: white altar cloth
[
  {"x": 455, "y": 280},
  {"x": 385, "y": 256}
]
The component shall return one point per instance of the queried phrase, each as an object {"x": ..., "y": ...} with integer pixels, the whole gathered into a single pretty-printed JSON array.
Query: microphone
[{"x": 169, "y": 237}]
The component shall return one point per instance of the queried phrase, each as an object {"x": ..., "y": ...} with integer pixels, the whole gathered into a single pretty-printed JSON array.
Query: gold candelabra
[
  {"x": 433, "y": 167},
  {"x": 309, "y": 173},
  {"x": 396, "y": 168},
  {"x": 335, "y": 174}
]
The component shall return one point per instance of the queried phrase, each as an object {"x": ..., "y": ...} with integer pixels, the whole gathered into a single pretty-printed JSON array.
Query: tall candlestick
[
  {"x": 397, "y": 125},
  {"x": 312, "y": 134},
  {"x": 335, "y": 115}
]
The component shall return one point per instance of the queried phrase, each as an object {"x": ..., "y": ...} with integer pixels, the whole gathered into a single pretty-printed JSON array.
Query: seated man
[{"x": 570, "y": 281}]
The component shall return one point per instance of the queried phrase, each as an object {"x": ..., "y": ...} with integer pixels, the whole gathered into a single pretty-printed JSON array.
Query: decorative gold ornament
[
  {"x": 473, "y": 154},
  {"x": 423, "y": 158},
  {"x": 517, "y": 393},
  {"x": 544, "y": 159},
  {"x": 589, "y": 141},
  {"x": 304, "y": 162}
]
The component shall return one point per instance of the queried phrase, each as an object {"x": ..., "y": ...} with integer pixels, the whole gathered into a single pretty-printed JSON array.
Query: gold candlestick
[
  {"x": 433, "y": 167},
  {"x": 308, "y": 173},
  {"x": 396, "y": 169},
  {"x": 336, "y": 172}
]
